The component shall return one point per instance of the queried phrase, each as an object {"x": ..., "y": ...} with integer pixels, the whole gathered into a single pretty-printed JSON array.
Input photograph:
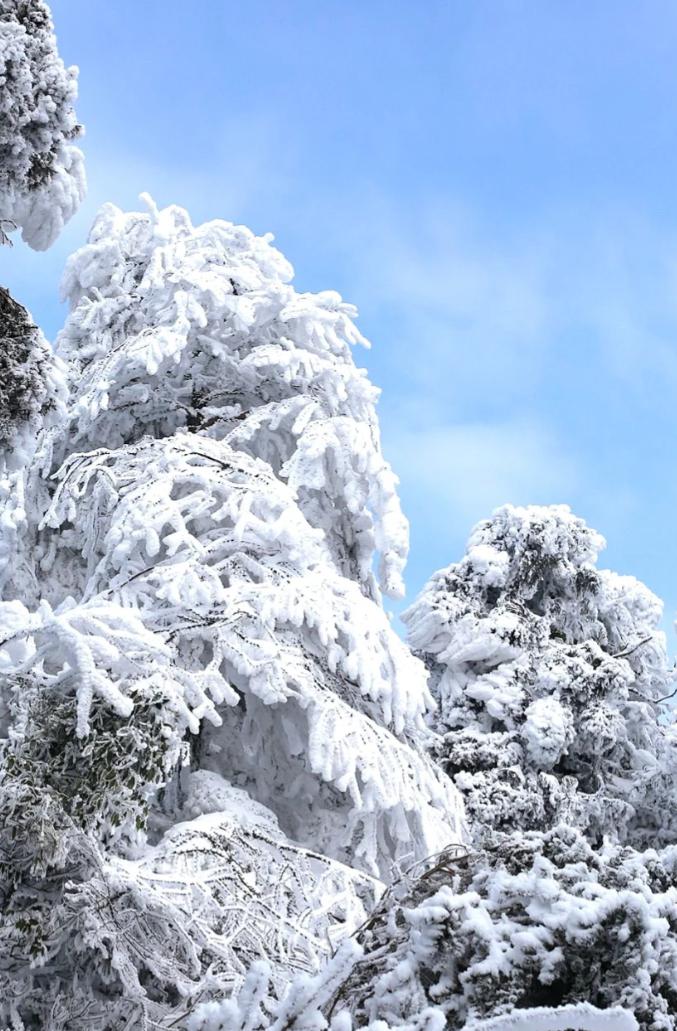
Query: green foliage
[
  {"x": 61, "y": 796},
  {"x": 24, "y": 361},
  {"x": 102, "y": 781}
]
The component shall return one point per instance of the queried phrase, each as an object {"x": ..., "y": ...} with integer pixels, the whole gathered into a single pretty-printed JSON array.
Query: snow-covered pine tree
[
  {"x": 32, "y": 393},
  {"x": 175, "y": 328},
  {"x": 198, "y": 585},
  {"x": 549, "y": 675},
  {"x": 42, "y": 180}
]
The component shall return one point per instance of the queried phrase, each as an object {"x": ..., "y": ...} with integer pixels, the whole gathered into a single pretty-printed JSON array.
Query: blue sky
[{"x": 493, "y": 183}]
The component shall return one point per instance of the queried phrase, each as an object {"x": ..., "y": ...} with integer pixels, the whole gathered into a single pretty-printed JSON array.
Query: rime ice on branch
[
  {"x": 32, "y": 385},
  {"x": 32, "y": 393},
  {"x": 41, "y": 185},
  {"x": 538, "y": 931}
]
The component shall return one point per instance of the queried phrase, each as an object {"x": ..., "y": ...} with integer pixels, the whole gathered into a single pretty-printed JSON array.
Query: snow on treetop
[
  {"x": 537, "y": 559},
  {"x": 42, "y": 180},
  {"x": 177, "y": 327}
]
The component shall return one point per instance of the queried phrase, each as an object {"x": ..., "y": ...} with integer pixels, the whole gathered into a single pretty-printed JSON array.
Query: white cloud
[
  {"x": 460, "y": 473},
  {"x": 468, "y": 315},
  {"x": 483, "y": 314}
]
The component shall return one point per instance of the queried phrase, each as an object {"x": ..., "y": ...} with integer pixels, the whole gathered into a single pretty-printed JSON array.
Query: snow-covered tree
[
  {"x": 199, "y": 329},
  {"x": 31, "y": 383},
  {"x": 32, "y": 395},
  {"x": 218, "y": 809},
  {"x": 42, "y": 179},
  {"x": 537, "y": 931},
  {"x": 41, "y": 186},
  {"x": 216, "y": 699},
  {"x": 550, "y": 675}
]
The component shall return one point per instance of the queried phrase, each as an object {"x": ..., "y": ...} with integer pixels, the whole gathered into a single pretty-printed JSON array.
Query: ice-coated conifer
[
  {"x": 32, "y": 387},
  {"x": 199, "y": 329},
  {"x": 41, "y": 185},
  {"x": 550, "y": 676},
  {"x": 32, "y": 393},
  {"x": 199, "y": 675},
  {"x": 218, "y": 807}
]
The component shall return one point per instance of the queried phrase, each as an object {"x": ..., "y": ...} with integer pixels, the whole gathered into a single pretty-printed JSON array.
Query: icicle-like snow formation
[
  {"x": 42, "y": 179},
  {"x": 221, "y": 889}
]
